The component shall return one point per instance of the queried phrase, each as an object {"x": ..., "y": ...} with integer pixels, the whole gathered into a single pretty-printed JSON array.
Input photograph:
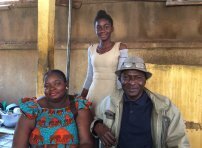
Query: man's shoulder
[
  {"x": 111, "y": 100},
  {"x": 162, "y": 102},
  {"x": 115, "y": 96},
  {"x": 157, "y": 96}
]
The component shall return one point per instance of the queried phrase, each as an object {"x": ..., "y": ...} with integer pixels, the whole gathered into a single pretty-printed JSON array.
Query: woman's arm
[
  {"x": 123, "y": 46},
  {"x": 22, "y": 132},
  {"x": 83, "y": 121},
  {"x": 123, "y": 55},
  {"x": 84, "y": 93},
  {"x": 89, "y": 77}
]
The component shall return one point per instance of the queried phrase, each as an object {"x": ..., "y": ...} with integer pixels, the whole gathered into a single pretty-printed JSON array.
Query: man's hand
[{"x": 105, "y": 135}]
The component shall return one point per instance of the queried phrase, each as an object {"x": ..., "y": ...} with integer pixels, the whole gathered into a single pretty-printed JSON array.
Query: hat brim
[{"x": 147, "y": 74}]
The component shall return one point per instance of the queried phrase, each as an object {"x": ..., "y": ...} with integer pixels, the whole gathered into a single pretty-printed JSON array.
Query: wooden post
[{"x": 46, "y": 17}]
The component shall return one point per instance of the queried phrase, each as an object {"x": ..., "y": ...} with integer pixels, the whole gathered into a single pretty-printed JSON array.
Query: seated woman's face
[{"x": 54, "y": 87}]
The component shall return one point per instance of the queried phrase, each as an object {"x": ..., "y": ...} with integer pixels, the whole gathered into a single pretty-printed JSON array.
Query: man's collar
[{"x": 140, "y": 101}]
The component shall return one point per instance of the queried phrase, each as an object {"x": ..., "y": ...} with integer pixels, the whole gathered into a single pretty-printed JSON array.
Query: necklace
[{"x": 102, "y": 50}]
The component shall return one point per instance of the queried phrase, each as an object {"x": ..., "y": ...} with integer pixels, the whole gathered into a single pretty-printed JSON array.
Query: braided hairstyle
[{"x": 101, "y": 14}]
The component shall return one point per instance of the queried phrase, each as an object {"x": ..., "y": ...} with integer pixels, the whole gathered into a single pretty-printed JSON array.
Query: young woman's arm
[
  {"x": 83, "y": 121},
  {"x": 123, "y": 46},
  {"x": 89, "y": 77},
  {"x": 123, "y": 55},
  {"x": 22, "y": 132}
]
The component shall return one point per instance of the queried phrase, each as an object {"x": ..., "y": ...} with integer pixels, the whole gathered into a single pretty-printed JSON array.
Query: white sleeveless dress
[{"x": 104, "y": 77}]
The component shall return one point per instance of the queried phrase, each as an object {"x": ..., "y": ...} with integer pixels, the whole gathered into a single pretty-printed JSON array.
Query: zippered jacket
[{"x": 167, "y": 125}]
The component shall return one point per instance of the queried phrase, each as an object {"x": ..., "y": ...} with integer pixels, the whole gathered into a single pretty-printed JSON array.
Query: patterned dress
[{"x": 53, "y": 126}]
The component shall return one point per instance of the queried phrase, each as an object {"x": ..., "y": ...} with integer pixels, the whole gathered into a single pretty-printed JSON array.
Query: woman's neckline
[
  {"x": 46, "y": 105},
  {"x": 101, "y": 51}
]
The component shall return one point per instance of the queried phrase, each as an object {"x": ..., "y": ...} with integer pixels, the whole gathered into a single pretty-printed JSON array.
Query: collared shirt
[{"x": 136, "y": 123}]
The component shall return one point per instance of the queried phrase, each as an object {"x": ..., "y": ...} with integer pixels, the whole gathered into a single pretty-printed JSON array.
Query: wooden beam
[
  {"x": 183, "y": 2},
  {"x": 144, "y": 44},
  {"x": 46, "y": 17}
]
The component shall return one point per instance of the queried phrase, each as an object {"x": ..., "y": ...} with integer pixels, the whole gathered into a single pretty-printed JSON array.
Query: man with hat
[{"x": 135, "y": 117}]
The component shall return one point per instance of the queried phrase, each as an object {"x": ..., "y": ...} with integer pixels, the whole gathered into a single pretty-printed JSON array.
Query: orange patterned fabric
[{"x": 53, "y": 126}]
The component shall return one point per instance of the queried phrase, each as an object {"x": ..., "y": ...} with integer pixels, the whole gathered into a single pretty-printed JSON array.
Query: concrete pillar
[{"x": 46, "y": 18}]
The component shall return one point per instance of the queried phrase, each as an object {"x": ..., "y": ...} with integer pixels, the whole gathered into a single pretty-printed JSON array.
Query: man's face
[{"x": 133, "y": 82}]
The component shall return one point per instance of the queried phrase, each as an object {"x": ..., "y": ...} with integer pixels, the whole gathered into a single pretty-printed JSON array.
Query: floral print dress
[{"x": 53, "y": 126}]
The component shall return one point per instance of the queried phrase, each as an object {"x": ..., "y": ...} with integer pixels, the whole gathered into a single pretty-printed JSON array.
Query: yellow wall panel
[{"x": 183, "y": 85}]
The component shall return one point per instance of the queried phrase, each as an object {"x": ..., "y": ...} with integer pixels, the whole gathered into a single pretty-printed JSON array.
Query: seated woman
[{"x": 55, "y": 120}]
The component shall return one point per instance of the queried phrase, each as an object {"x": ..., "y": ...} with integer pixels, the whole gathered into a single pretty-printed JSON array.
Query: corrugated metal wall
[{"x": 183, "y": 85}]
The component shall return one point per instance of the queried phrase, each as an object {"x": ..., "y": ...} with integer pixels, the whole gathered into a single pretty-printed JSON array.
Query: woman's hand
[
  {"x": 84, "y": 93},
  {"x": 80, "y": 97},
  {"x": 105, "y": 135}
]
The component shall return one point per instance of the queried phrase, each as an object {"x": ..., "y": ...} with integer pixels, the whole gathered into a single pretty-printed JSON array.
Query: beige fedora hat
[{"x": 135, "y": 63}]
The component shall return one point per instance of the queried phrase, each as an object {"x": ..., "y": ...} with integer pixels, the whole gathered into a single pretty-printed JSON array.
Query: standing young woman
[
  {"x": 56, "y": 120},
  {"x": 103, "y": 60}
]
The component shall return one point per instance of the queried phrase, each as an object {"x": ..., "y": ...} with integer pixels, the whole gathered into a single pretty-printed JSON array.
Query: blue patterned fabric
[{"x": 53, "y": 126}]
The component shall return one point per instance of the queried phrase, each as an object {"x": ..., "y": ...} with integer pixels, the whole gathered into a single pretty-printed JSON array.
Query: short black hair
[
  {"x": 57, "y": 72},
  {"x": 102, "y": 14}
]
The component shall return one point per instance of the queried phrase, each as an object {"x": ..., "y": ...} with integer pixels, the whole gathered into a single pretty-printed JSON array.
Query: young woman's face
[
  {"x": 54, "y": 87},
  {"x": 103, "y": 29}
]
